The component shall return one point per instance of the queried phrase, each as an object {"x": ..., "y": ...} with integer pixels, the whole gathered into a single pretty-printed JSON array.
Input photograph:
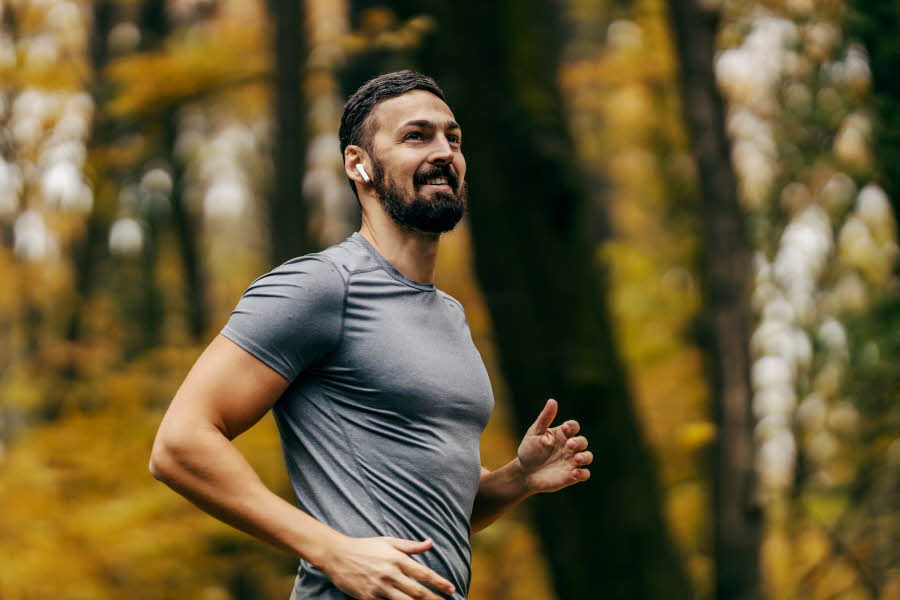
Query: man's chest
[{"x": 409, "y": 354}]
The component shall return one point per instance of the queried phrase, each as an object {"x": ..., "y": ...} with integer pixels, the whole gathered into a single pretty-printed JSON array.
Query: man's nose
[{"x": 442, "y": 152}]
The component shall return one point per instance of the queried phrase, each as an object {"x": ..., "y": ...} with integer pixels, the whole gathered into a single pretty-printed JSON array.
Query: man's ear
[{"x": 354, "y": 158}]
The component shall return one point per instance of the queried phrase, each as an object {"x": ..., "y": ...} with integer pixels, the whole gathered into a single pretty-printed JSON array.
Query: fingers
[
  {"x": 404, "y": 590},
  {"x": 414, "y": 589},
  {"x": 394, "y": 594},
  {"x": 425, "y": 575},
  {"x": 409, "y": 588},
  {"x": 545, "y": 418},
  {"x": 410, "y": 546},
  {"x": 577, "y": 444},
  {"x": 382, "y": 568},
  {"x": 583, "y": 459},
  {"x": 570, "y": 428},
  {"x": 581, "y": 474}
]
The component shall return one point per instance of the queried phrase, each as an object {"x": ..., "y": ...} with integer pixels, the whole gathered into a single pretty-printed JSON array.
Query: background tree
[
  {"x": 737, "y": 523},
  {"x": 89, "y": 249},
  {"x": 156, "y": 26},
  {"x": 548, "y": 306},
  {"x": 287, "y": 214}
]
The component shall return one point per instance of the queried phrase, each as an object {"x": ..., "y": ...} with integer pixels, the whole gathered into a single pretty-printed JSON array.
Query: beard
[{"x": 437, "y": 213}]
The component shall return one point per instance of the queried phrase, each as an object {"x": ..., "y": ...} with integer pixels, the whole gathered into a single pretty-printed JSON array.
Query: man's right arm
[{"x": 225, "y": 393}]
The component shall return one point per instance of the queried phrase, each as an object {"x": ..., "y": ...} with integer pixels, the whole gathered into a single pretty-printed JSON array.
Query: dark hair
[{"x": 357, "y": 128}]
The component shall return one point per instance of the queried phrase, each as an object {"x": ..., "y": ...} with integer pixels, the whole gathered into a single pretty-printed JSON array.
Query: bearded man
[{"x": 378, "y": 392}]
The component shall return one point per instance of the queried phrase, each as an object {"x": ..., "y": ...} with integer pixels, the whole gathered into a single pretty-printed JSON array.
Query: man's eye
[
  {"x": 418, "y": 135},
  {"x": 453, "y": 139}
]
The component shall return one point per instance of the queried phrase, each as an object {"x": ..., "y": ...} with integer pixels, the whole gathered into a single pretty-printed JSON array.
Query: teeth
[{"x": 438, "y": 181}]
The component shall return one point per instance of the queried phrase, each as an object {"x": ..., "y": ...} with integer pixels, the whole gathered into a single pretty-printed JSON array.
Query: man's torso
[{"x": 382, "y": 421}]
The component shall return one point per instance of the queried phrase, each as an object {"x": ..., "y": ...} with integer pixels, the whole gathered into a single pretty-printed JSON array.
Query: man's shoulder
[
  {"x": 292, "y": 316},
  {"x": 451, "y": 301},
  {"x": 456, "y": 308},
  {"x": 347, "y": 257},
  {"x": 344, "y": 259}
]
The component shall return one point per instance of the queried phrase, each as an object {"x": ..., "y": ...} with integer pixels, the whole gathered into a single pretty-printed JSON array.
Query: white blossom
[
  {"x": 32, "y": 240},
  {"x": 126, "y": 237},
  {"x": 832, "y": 335}
]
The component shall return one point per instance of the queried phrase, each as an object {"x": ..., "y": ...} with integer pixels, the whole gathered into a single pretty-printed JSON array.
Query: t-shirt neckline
[{"x": 387, "y": 266}]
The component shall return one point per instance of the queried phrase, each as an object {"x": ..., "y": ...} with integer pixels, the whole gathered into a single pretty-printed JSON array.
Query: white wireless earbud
[{"x": 362, "y": 172}]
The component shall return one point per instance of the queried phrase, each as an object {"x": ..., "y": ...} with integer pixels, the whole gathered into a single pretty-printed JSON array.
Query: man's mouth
[
  {"x": 441, "y": 181},
  {"x": 438, "y": 182}
]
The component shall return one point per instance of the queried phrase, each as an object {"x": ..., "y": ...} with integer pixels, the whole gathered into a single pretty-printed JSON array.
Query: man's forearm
[
  {"x": 498, "y": 491},
  {"x": 206, "y": 468}
]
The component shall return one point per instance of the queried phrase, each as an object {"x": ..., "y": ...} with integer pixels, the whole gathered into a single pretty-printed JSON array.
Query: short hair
[{"x": 357, "y": 128}]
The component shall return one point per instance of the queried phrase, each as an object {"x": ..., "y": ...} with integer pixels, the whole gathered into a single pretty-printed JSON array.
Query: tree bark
[
  {"x": 287, "y": 213},
  {"x": 726, "y": 258},
  {"x": 151, "y": 305},
  {"x": 90, "y": 249},
  {"x": 546, "y": 297},
  {"x": 187, "y": 229}
]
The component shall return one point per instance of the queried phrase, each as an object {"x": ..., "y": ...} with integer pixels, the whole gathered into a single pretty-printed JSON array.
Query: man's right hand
[{"x": 380, "y": 568}]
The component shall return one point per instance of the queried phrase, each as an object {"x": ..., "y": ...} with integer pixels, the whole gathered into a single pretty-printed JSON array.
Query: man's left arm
[{"x": 548, "y": 459}]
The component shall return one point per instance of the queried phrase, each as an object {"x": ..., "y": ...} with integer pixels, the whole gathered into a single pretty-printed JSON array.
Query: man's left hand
[{"x": 553, "y": 458}]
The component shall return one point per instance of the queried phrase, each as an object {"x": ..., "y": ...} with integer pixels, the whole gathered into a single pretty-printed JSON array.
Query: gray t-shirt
[{"x": 388, "y": 399}]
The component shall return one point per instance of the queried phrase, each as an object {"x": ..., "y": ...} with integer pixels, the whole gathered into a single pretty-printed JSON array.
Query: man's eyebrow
[{"x": 429, "y": 124}]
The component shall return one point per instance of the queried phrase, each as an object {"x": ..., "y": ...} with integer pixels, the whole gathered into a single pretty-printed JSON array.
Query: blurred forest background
[{"x": 683, "y": 226}]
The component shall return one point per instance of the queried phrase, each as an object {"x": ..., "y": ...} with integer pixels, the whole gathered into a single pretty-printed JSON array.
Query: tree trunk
[
  {"x": 287, "y": 213},
  {"x": 546, "y": 298},
  {"x": 189, "y": 233},
  {"x": 89, "y": 250},
  {"x": 156, "y": 27},
  {"x": 151, "y": 304},
  {"x": 727, "y": 285}
]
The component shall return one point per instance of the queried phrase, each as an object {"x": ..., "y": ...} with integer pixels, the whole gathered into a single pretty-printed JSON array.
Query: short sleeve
[
  {"x": 292, "y": 316},
  {"x": 456, "y": 307}
]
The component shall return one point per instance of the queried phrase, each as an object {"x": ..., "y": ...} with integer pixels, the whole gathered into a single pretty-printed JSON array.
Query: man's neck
[{"x": 412, "y": 253}]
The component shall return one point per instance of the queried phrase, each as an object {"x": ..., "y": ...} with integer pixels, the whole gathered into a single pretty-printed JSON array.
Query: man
[{"x": 378, "y": 391}]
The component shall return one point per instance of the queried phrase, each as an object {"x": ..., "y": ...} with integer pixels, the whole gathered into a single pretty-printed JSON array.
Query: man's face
[{"x": 419, "y": 169}]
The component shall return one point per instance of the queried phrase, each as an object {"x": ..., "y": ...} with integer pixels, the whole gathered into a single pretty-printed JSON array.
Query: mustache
[{"x": 420, "y": 179}]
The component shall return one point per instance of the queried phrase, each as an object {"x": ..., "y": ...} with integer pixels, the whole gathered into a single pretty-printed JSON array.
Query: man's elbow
[
  {"x": 164, "y": 456},
  {"x": 158, "y": 461}
]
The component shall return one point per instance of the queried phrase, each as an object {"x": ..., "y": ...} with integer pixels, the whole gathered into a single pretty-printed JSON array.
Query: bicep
[{"x": 227, "y": 388}]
